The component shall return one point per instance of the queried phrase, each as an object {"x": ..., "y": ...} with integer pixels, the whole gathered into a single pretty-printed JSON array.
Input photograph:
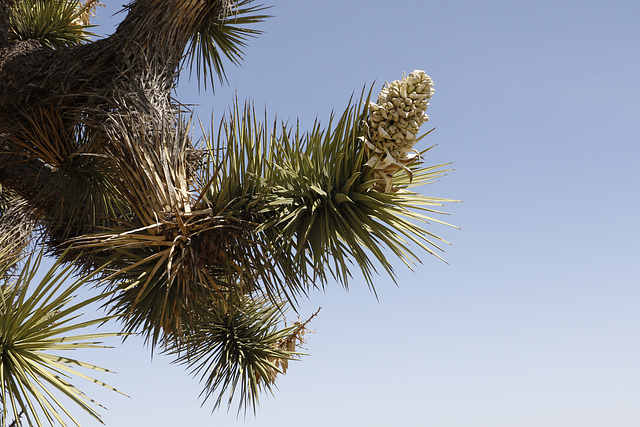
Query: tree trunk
[{"x": 131, "y": 72}]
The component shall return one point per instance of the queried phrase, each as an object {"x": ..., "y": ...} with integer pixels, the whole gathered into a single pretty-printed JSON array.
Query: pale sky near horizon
[{"x": 535, "y": 321}]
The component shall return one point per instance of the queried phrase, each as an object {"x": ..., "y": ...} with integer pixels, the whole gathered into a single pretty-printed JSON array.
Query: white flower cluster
[
  {"x": 394, "y": 123},
  {"x": 88, "y": 9}
]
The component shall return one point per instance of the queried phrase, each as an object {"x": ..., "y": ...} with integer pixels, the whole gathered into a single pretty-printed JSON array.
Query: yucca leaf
[
  {"x": 54, "y": 23},
  {"x": 226, "y": 37},
  {"x": 36, "y": 322},
  {"x": 237, "y": 349}
]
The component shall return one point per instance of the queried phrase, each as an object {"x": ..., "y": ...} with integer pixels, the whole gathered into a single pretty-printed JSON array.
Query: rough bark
[
  {"x": 153, "y": 33},
  {"x": 5, "y": 7},
  {"x": 134, "y": 70}
]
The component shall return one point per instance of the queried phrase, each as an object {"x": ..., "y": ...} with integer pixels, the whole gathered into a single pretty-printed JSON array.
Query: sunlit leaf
[
  {"x": 224, "y": 38},
  {"x": 38, "y": 321}
]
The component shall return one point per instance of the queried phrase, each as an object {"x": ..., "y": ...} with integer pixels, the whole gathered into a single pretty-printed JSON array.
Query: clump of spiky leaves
[
  {"x": 225, "y": 37},
  {"x": 38, "y": 320},
  {"x": 328, "y": 210},
  {"x": 322, "y": 212},
  {"x": 240, "y": 175},
  {"x": 150, "y": 156},
  {"x": 180, "y": 245},
  {"x": 54, "y": 23},
  {"x": 238, "y": 348},
  {"x": 72, "y": 152}
]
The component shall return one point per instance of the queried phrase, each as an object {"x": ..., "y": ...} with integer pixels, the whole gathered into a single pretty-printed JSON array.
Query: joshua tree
[{"x": 203, "y": 244}]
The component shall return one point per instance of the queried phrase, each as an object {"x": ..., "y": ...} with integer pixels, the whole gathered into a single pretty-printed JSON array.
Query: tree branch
[
  {"x": 138, "y": 62},
  {"x": 5, "y": 10},
  {"x": 153, "y": 33}
]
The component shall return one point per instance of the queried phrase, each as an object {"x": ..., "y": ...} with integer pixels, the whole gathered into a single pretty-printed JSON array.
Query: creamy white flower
[{"x": 394, "y": 122}]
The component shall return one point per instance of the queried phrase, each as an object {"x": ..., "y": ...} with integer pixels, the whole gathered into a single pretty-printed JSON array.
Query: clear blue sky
[{"x": 536, "y": 320}]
